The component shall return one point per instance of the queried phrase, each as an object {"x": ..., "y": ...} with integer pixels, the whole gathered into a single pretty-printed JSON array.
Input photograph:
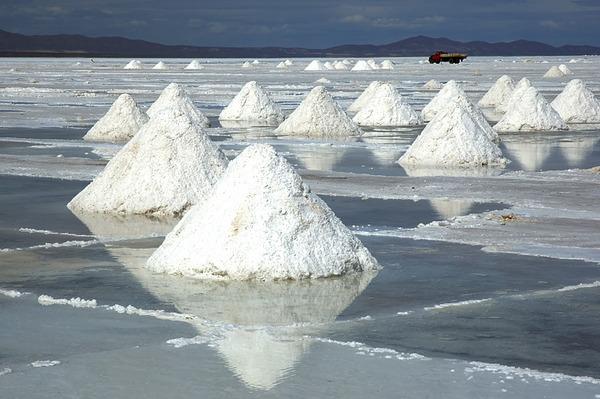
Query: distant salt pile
[
  {"x": 365, "y": 96},
  {"x": 315, "y": 65},
  {"x": 520, "y": 88},
  {"x": 174, "y": 96},
  {"x": 554, "y": 72},
  {"x": 246, "y": 65},
  {"x": 387, "y": 64},
  {"x": 565, "y": 69},
  {"x": 323, "y": 81},
  {"x": 167, "y": 167},
  {"x": 448, "y": 92},
  {"x": 288, "y": 62},
  {"x": 194, "y": 64},
  {"x": 133, "y": 64},
  {"x": 361, "y": 65},
  {"x": 160, "y": 65},
  {"x": 453, "y": 138},
  {"x": 253, "y": 104},
  {"x": 530, "y": 113},
  {"x": 328, "y": 65},
  {"x": 255, "y": 62},
  {"x": 577, "y": 104},
  {"x": 319, "y": 116},
  {"x": 346, "y": 61},
  {"x": 432, "y": 85},
  {"x": 387, "y": 108},
  {"x": 373, "y": 64},
  {"x": 261, "y": 222},
  {"x": 120, "y": 123},
  {"x": 498, "y": 93},
  {"x": 282, "y": 65},
  {"x": 340, "y": 66}
]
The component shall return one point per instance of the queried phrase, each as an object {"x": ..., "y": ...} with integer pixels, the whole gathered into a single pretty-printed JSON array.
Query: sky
[{"x": 308, "y": 23}]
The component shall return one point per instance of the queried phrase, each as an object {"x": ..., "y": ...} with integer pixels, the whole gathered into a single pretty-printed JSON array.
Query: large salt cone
[
  {"x": 387, "y": 108},
  {"x": 577, "y": 104},
  {"x": 498, "y": 93},
  {"x": 365, "y": 96}
]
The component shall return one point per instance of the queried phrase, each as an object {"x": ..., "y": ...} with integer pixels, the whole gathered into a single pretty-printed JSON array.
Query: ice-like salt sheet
[
  {"x": 5, "y": 371},
  {"x": 455, "y": 304},
  {"x": 182, "y": 342},
  {"x": 12, "y": 293},
  {"x": 45, "y": 363},
  {"x": 47, "y": 300}
]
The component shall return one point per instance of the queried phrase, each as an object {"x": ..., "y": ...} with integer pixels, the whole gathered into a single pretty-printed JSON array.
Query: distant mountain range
[{"x": 15, "y": 45}]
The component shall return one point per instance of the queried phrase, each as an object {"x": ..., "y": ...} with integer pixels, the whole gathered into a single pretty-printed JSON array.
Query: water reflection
[
  {"x": 530, "y": 154},
  {"x": 424, "y": 171},
  {"x": 577, "y": 150},
  {"x": 450, "y": 208}
]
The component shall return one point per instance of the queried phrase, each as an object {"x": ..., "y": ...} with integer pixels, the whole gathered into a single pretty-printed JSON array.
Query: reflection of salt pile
[
  {"x": 432, "y": 85},
  {"x": 577, "y": 104},
  {"x": 520, "y": 88},
  {"x": 322, "y": 159},
  {"x": 340, "y": 66},
  {"x": 577, "y": 150},
  {"x": 498, "y": 93},
  {"x": 319, "y": 116},
  {"x": 110, "y": 228},
  {"x": 261, "y": 222},
  {"x": 449, "y": 209},
  {"x": 565, "y": 69},
  {"x": 168, "y": 166},
  {"x": 453, "y": 138},
  {"x": 120, "y": 123},
  {"x": 365, "y": 96},
  {"x": 315, "y": 65},
  {"x": 449, "y": 91},
  {"x": 361, "y": 65},
  {"x": 530, "y": 113},
  {"x": 252, "y": 103},
  {"x": 530, "y": 155},
  {"x": 387, "y": 64},
  {"x": 387, "y": 108},
  {"x": 554, "y": 72},
  {"x": 133, "y": 64},
  {"x": 160, "y": 65},
  {"x": 194, "y": 64},
  {"x": 175, "y": 97}
]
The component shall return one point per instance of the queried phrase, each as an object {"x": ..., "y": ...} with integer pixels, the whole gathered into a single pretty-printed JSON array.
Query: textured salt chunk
[
  {"x": 133, "y": 64},
  {"x": 315, "y": 65},
  {"x": 261, "y": 222},
  {"x": 498, "y": 93},
  {"x": 319, "y": 116},
  {"x": 168, "y": 166},
  {"x": 565, "y": 69},
  {"x": 530, "y": 113},
  {"x": 577, "y": 104},
  {"x": 432, "y": 85},
  {"x": 387, "y": 108},
  {"x": 520, "y": 88},
  {"x": 160, "y": 65},
  {"x": 175, "y": 97},
  {"x": 122, "y": 121},
  {"x": 252, "y": 103},
  {"x": 449, "y": 91},
  {"x": 194, "y": 64},
  {"x": 362, "y": 65},
  {"x": 554, "y": 72},
  {"x": 453, "y": 138},
  {"x": 387, "y": 64},
  {"x": 365, "y": 96}
]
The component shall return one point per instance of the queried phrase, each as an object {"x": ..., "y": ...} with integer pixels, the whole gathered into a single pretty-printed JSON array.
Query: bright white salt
[
  {"x": 498, "y": 93},
  {"x": 194, "y": 64},
  {"x": 133, "y": 64},
  {"x": 160, "y": 65},
  {"x": 122, "y": 121},
  {"x": 246, "y": 65},
  {"x": 530, "y": 113},
  {"x": 261, "y": 222},
  {"x": 255, "y": 62},
  {"x": 565, "y": 69},
  {"x": 387, "y": 108},
  {"x": 362, "y": 65},
  {"x": 340, "y": 66},
  {"x": 167, "y": 167},
  {"x": 577, "y": 104},
  {"x": 387, "y": 64},
  {"x": 554, "y": 72},
  {"x": 318, "y": 115},
  {"x": 282, "y": 65},
  {"x": 315, "y": 65},
  {"x": 288, "y": 62},
  {"x": 520, "y": 88},
  {"x": 365, "y": 96},
  {"x": 449, "y": 91},
  {"x": 373, "y": 64},
  {"x": 323, "y": 81},
  {"x": 328, "y": 65},
  {"x": 432, "y": 85},
  {"x": 176, "y": 98},
  {"x": 253, "y": 103}
]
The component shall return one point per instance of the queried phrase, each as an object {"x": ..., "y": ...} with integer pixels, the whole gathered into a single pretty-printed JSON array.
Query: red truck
[{"x": 442, "y": 56}]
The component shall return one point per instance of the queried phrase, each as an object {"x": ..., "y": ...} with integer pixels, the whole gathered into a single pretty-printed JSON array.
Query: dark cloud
[{"x": 308, "y": 23}]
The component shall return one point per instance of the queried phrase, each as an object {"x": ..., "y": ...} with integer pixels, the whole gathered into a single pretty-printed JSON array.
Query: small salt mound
[
  {"x": 346, "y": 62},
  {"x": 365, "y": 96},
  {"x": 448, "y": 92},
  {"x": 167, "y": 167},
  {"x": 530, "y": 113},
  {"x": 194, "y": 64},
  {"x": 520, "y": 88},
  {"x": 315, "y": 65},
  {"x": 432, "y": 85},
  {"x": 387, "y": 108},
  {"x": 328, "y": 65},
  {"x": 340, "y": 66},
  {"x": 160, "y": 65},
  {"x": 565, "y": 69},
  {"x": 318, "y": 115},
  {"x": 554, "y": 72},
  {"x": 120, "y": 123},
  {"x": 261, "y": 222},
  {"x": 246, "y": 65},
  {"x": 133, "y": 64},
  {"x": 288, "y": 62},
  {"x": 577, "y": 104},
  {"x": 361, "y": 65},
  {"x": 252, "y": 103},
  {"x": 387, "y": 64},
  {"x": 323, "y": 80},
  {"x": 174, "y": 96},
  {"x": 498, "y": 93},
  {"x": 256, "y": 62},
  {"x": 454, "y": 138},
  {"x": 372, "y": 64},
  {"x": 282, "y": 65}
]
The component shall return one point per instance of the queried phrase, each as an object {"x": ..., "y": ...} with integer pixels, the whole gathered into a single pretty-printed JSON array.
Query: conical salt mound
[
  {"x": 194, "y": 64},
  {"x": 133, "y": 64},
  {"x": 282, "y": 65},
  {"x": 340, "y": 66},
  {"x": 256, "y": 62},
  {"x": 315, "y": 65},
  {"x": 122, "y": 121},
  {"x": 261, "y": 222},
  {"x": 174, "y": 96},
  {"x": 328, "y": 65},
  {"x": 433, "y": 85},
  {"x": 288, "y": 62},
  {"x": 454, "y": 138},
  {"x": 498, "y": 93},
  {"x": 160, "y": 65},
  {"x": 449, "y": 91},
  {"x": 530, "y": 113},
  {"x": 168, "y": 166},
  {"x": 520, "y": 88},
  {"x": 577, "y": 104},
  {"x": 319, "y": 116},
  {"x": 387, "y": 64},
  {"x": 565, "y": 69},
  {"x": 387, "y": 108},
  {"x": 365, "y": 96},
  {"x": 372, "y": 64},
  {"x": 252, "y": 103},
  {"x": 246, "y": 65},
  {"x": 362, "y": 65},
  {"x": 554, "y": 72}
]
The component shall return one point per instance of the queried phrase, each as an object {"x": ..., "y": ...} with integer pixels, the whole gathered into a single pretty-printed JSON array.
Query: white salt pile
[
  {"x": 174, "y": 96},
  {"x": 432, "y": 85},
  {"x": 288, "y": 62},
  {"x": 328, "y": 65},
  {"x": 253, "y": 103},
  {"x": 256, "y": 62},
  {"x": 160, "y": 65},
  {"x": 498, "y": 93},
  {"x": 520, "y": 88},
  {"x": 315, "y": 65},
  {"x": 318, "y": 115},
  {"x": 530, "y": 113},
  {"x": 261, "y": 222},
  {"x": 453, "y": 138},
  {"x": 577, "y": 104},
  {"x": 122, "y": 121},
  {"x": 387, "y": 108},
  {"x": 133, "y": 64},
  {"x": 565, "y": 69},
  {"x": 554, "y": 72},
  {"x": 373, "y": 64},
  {"x": 246, "y": 65},
  {"x": 282, "y": 65},
  {"x": 361, "y": 65},
  {"x": 194, "y": 64},
  {"x": 387, "y": 64},
  {"x": 340, "y": 66},
  {"x": 365, "y": 96},
  {"x": 167, "y": 167},
  {"x": 449, "y": 91},
  {"x": 346, "y": 62},
  {"x": 323, "y": 81}
]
